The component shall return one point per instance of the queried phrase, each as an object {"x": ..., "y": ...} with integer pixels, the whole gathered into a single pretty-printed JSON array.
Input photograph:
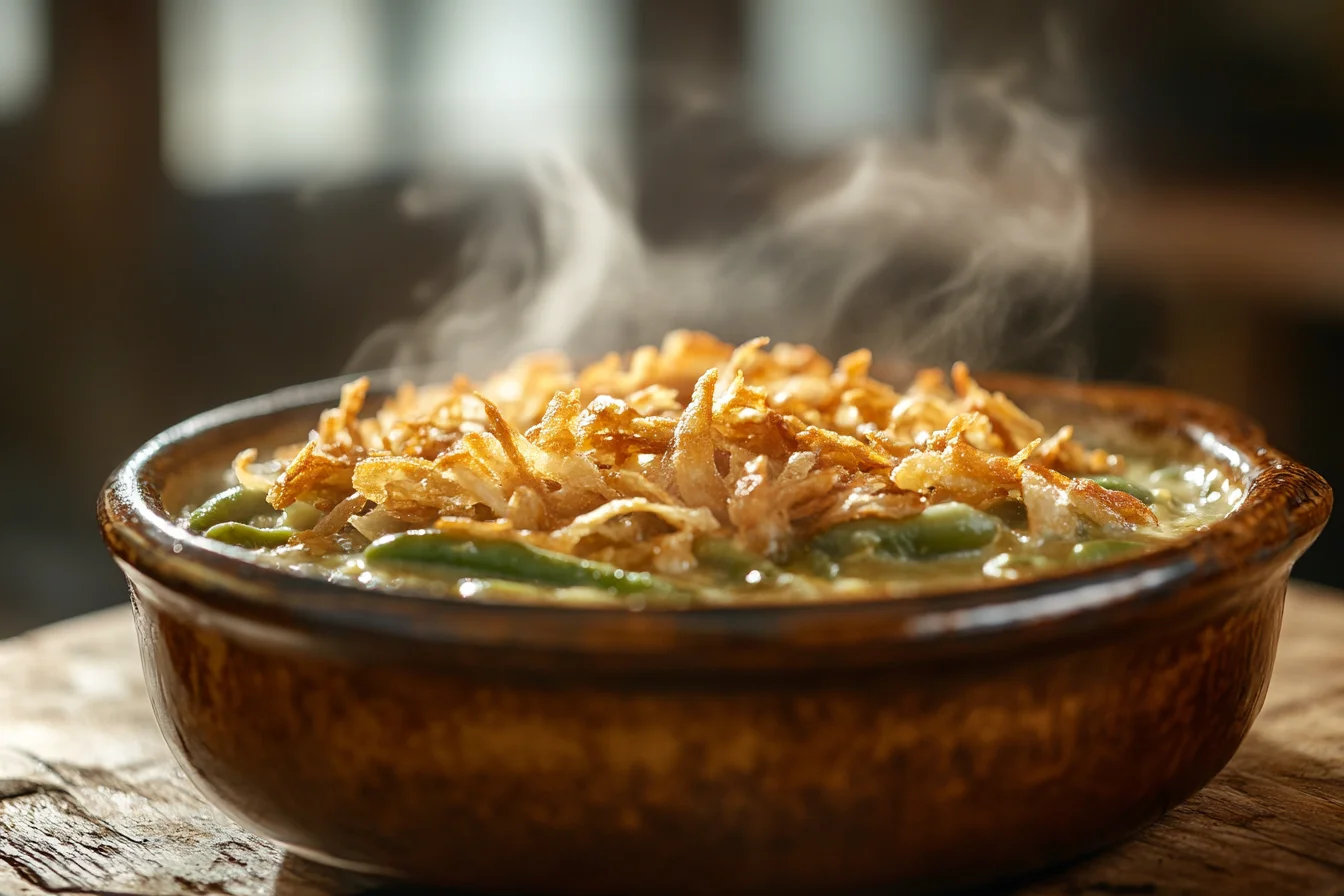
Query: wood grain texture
[{"x": 90, "y": 801}]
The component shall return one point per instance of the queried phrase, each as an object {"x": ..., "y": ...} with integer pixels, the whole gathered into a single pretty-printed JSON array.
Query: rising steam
[{"x": 973, "y": 244}]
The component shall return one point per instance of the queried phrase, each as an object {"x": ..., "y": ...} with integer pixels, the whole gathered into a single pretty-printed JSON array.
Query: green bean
[
  {"x": 300, "y": 515},
  {"x": 942, "y": 529},
  {"x": 728, "y": 557},
  {"x": 1012, "y": 511},
  {"x": 812, "y": 562},
  {"x": 245, "y": 536},
  {"x": 1103, "y": 549},
  {"x": 233, "y": 505},
  {"x": 1121, "y": 484},
  {"x": 466, "y": 557}
]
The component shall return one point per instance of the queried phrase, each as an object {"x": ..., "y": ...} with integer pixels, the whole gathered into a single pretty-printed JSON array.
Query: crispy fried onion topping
[{"x": 629, "y": 459}]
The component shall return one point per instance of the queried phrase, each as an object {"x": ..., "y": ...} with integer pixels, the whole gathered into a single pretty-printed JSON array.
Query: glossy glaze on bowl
[{"x": 930, "y": 742}]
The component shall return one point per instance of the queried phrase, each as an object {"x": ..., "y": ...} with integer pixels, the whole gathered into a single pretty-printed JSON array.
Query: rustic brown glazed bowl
[{"x": 923, "y": 743}]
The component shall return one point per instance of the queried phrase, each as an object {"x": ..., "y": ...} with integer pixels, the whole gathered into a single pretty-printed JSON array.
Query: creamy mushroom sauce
[{"x": 1184, "y": 497}]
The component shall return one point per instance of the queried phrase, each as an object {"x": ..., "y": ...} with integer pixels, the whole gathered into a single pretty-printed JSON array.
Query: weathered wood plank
[{"x": 91, "y": 802}]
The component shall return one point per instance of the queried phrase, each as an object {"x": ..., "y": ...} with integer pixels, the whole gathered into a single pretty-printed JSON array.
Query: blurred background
[{"x": 205, "y": 201}]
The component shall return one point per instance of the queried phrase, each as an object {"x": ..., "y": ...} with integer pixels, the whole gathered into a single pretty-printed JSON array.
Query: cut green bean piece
[
  {"x": 489, "y": 558},
  {"x": 812, "y": 562},
  {"x": 233, "y": 505},
  {"x": 245, "y": 536},
  {"x": 942, "y": 529},
  {"x": 300, "y": 515},
  {"x": 1121, "y": 484},
  {"x": 1104, "y": 549},
  {"x": 1012, "y": 511},
  {"x": 728, "y": 557}
]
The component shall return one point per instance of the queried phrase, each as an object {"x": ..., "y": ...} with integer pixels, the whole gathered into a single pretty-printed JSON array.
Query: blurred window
[
  {"x": 23, "y": 54},
  {"x": 279, "y": 94},
  {"x": 496, "y": 79},
  {"x": 264, "y": 93},
  {"x": 826, "y": 71}
]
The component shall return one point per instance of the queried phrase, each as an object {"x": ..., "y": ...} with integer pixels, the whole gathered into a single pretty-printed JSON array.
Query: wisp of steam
[{"x": 971, "y": 244}]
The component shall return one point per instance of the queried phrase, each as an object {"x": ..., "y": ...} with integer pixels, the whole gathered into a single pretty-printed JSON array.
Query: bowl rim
[{"x": 1285, "y": 506}]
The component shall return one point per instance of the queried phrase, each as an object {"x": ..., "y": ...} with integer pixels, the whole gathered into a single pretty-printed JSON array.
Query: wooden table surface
[{"x": 91, "y": 802}]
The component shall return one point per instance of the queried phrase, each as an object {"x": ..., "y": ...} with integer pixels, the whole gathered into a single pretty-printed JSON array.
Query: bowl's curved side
[{"x": 935, "y": 773}]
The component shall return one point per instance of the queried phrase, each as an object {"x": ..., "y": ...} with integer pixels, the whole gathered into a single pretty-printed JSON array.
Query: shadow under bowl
[{"x": 928, "y": 742}]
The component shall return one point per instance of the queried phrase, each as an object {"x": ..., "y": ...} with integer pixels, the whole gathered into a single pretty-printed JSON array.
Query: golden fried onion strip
[{"x": 630, "y": 459}]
